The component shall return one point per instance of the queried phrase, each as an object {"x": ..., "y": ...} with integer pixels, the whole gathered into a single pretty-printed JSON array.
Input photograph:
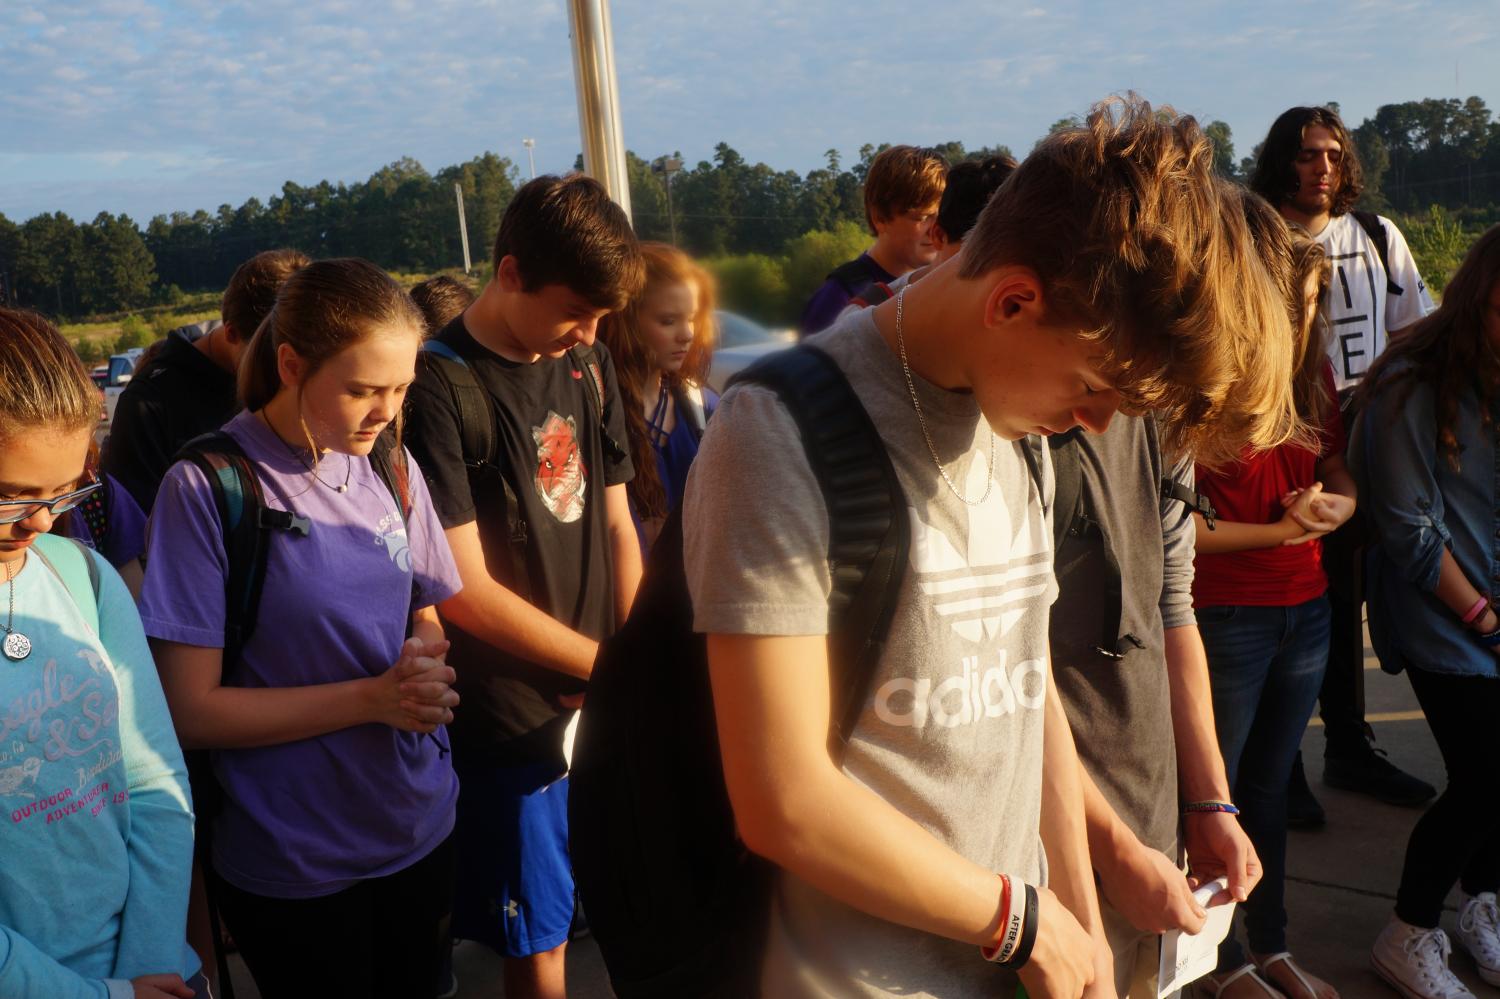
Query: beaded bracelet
[{"x": 1194, "y": 807}]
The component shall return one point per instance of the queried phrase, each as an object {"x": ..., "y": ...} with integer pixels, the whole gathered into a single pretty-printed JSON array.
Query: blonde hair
[
  {"x": 42, "y": 381},
  {"x": 1141, "y": 250}
]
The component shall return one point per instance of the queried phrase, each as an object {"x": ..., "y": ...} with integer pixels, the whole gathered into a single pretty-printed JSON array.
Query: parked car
[
  {"x": 741, "y": 341},
  {"x": 116, "y": 375}
]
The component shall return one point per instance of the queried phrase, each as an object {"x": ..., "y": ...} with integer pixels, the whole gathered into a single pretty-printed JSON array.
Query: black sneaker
[
  {"x": 1302, "y": 809},
  {"x": 1365, "y": 769}
]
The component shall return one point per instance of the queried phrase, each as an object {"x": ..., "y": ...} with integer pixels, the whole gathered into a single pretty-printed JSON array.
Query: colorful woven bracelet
[{"x": 1210, "y": 806}]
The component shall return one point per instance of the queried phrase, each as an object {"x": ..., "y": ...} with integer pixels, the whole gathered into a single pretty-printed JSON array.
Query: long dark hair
[
  {"x": 1275, "y": 176},
  {"x": 1448, "y": 349},
  {"x": 634, "y": 364}
]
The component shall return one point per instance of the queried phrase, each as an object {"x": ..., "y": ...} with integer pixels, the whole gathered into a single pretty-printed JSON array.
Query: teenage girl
[
  {"x": 97, "y": 832},
  {"x": 330, "y": 852},
  {"x": 1260, "y": 596},
  {"x": 662, "y": 346},
  {"x": 1428, "y": 446}
]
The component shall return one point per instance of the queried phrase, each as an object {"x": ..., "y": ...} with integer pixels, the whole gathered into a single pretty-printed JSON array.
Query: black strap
[
  {"x": 478, "y": 446},
  {"x": 586, "y": 366},
  {"x": 1196, "y": 502},
  {"x": 1067, "y": 490},
  {"x": 856, "y": 275},
  {"x": 247, "y": 523},
  {"x": 869, "y": 534},
  {"x": 1370, "y": 223},
  {"x": 873, "y": 294}
]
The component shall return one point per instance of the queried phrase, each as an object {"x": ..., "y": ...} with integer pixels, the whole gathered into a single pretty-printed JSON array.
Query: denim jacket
[{"x": 1420, "y": 506}]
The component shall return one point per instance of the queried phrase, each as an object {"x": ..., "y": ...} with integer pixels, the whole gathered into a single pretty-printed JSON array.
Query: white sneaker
[
  {"x": 1414, "y": 962},
  {"x": 1479, "y": 933}
]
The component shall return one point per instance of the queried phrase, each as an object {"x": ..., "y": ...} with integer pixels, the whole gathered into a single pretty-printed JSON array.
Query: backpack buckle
[{"x": 283, "y": 520}]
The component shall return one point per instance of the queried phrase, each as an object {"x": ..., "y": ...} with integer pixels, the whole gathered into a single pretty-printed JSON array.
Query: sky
[{"x": 152, "y": 106}]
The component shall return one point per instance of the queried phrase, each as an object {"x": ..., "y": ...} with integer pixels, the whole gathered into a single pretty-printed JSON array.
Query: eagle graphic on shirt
[{"x": 561, "y": 479}]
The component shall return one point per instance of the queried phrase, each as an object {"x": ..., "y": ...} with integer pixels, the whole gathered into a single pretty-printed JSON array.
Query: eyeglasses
[{"x": 15, "y": 511}]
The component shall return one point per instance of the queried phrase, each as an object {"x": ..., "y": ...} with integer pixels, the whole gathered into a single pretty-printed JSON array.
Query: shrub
[
  {"x": 812, "y": 255},
  {"x": 753, "y": 285}
]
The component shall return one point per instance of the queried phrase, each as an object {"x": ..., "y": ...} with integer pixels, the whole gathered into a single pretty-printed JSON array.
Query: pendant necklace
[
  {"x": 16, "y": 646},
  {"x": 312, "y": 469}
]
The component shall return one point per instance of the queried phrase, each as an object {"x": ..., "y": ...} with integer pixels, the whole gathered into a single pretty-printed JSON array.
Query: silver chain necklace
[
  {"x": 911, "y": 386},
  {"x": 312, "y": 469},
  {"x": 16, "y": 646}
]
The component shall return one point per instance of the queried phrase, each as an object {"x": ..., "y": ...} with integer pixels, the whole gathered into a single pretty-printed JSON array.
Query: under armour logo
[{"x": 512, "y": 909}]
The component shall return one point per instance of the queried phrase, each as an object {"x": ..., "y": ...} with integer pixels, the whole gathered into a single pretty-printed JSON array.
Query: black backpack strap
[
  {"x": 477, "y": 444},
  {"x": 247, "y": 525},
  {"x": 873, "y": 294},
  {"x": 869, "y": 533},
  {"x": 1370, "y": 223},
  {"x": 856, "y": 275},
  {"x": 1067, "y": 477},
  {"x": 585, "y": 361},
  {"x": 1196, "y": 502}
]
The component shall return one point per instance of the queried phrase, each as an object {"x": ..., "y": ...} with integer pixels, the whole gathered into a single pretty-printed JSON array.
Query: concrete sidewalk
[{"x": 1341, "y": 879}]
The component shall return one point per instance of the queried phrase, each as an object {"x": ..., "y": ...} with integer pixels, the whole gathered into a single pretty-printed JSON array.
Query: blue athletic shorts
[{"x": 515, "y": 878}]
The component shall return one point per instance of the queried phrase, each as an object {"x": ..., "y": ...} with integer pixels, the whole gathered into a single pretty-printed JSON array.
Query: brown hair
[
  {"x": 42, "y": 381},
  {"x": 1141, "y": 250},
  {"x": 902, "y": 178},
  {"x": 1448, "y": 349},
  {"x": 1309, "y": 387},
  {"x": 252, "y": 289},
  {"x": 1275, "y": 175},
  {"x": 324, "y": 308},
  {"x": 442, "y": 300},
  {"x": 633, "y": 363},
  {"x": 566, "y": 230}
]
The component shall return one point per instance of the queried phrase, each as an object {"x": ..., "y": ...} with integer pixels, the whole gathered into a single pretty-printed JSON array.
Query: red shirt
[{"x": 1250, "y": 492}]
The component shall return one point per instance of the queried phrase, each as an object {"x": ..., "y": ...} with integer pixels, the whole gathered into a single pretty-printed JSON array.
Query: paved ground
[{"x": 1341, "y": 886}]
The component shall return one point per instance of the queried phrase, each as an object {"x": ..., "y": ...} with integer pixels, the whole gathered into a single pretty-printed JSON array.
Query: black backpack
[
  {"x": 675, "y": 900},
  {"x": 857, "y": 275},
  {"x": 479, "y": 447},
  {"x": 1073, "y": 518}
]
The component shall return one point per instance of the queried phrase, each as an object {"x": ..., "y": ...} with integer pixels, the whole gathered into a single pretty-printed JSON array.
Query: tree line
[{"x": 751, "y": 218}]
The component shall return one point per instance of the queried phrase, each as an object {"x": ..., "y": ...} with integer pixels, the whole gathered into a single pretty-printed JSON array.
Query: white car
[{"x": 741, "y": 342}]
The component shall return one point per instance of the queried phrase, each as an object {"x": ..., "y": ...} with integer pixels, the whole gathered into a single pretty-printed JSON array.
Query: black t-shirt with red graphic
[{"x": 549, "y": 448}]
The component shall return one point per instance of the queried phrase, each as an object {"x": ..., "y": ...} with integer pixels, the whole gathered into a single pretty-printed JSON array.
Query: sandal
[
  {"x": 1263, "y": 965},
  {"x": 1214, "y": 986}
]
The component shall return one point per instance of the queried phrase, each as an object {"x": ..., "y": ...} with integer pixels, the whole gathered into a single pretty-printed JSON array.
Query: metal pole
[
  {"x": 598, "y": 98},
  {"x": 463, "y": 223},
  {"x": 530, "y": 145},
  {"x": 671, "y": 213}
]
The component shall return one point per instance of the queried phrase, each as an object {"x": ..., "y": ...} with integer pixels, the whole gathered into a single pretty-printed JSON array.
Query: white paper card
[{"x": 1187, "y": 957}]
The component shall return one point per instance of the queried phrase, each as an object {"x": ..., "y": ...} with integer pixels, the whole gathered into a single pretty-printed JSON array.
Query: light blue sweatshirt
[{"x": 96, "y": 832}]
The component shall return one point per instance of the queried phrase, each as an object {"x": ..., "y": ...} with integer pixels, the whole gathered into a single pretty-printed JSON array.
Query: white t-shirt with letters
[{"x": 1359, "y": 307}]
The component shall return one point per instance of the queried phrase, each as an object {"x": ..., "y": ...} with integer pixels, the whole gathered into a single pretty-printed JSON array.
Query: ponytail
[{"x": 259, "y": 376}]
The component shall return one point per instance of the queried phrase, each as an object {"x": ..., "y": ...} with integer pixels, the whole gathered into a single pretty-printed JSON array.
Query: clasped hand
[
  {"x": 1314, "y": 513},
  {"x": 416, "y": 694}
]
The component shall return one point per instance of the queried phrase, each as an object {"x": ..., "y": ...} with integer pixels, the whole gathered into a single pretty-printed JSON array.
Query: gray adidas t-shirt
[{"x": 952, "y": 732}]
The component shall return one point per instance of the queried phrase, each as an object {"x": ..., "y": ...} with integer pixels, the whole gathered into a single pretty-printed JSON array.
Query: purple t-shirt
[{"x": 312, "y": 817}]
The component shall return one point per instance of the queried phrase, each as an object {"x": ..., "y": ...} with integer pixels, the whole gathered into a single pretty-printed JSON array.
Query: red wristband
[
  {"x": 1010, "y": 928},
  {"x": 1477, "y": 611}
]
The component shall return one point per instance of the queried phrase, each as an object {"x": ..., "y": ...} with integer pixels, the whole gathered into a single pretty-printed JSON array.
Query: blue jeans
[{"x": 1265, "y": 665}]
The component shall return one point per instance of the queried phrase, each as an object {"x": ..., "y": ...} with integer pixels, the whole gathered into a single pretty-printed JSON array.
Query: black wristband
[{"x": 1028, "y": 933}]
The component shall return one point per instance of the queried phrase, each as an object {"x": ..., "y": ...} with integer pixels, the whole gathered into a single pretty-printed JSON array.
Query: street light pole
[
  {"x": 598, "y": 98},
  {"x": 463, "y": 224},
  {"x": 668, "y": 166},
  {"x": 530, "y": 145}
]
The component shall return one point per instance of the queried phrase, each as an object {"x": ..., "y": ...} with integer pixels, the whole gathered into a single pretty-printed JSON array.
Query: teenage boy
[
  {"x": 541, "y": 532},
  {"x": 187, "y": 388},
  {"x": 1059, "y": 308},
  {"x": 1308, "y": 168},
  {"x": 902, "y": 191}
]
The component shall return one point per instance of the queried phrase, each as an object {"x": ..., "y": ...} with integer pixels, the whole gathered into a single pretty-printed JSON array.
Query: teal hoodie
[{"x": 96, "y": 823}]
